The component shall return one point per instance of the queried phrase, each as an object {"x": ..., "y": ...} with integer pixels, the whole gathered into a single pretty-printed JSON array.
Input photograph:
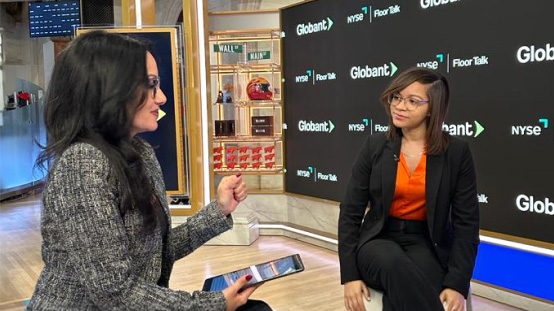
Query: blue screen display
[
  {"x": 517, "y": 270},
  {"x": 51, "y": 19}
]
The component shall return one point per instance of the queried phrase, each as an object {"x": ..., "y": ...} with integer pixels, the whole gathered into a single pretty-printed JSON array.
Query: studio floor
[{"x": 317, "y": 288}]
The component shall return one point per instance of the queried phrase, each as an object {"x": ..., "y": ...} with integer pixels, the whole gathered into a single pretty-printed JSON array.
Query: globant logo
[
  {"x": 306, "y": 29},
  {"x": 318, "y": 127},
  {"x": 464, "y": 129},
  {"x": 530, "y": 54},
  {"x": 431, "y": 3},
  {"x": 385, "y": 70},
  {"x": 528, "y": 204}
]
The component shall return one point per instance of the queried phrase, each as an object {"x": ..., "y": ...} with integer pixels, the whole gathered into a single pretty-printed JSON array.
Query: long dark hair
[
  {"x": 98, "y": 83},
  {"x": 439, "y": 97}
]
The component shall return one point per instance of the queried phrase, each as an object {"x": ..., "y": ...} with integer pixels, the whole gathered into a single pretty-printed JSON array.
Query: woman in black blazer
[{"x": 418, "y": 240}]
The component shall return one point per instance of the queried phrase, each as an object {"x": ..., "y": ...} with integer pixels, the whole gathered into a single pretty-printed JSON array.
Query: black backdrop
[{"x": 510, "y": 98}]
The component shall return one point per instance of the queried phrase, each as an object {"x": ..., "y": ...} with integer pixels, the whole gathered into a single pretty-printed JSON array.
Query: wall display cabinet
[{"x": 247, "y": 116}]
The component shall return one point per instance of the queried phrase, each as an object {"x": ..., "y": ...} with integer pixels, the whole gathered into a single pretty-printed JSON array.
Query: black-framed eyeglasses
[
  {"x": 154, "y": 84},
  {"x": 411, "y": 103}
]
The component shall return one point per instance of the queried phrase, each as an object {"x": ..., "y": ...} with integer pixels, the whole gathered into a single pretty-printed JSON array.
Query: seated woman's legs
[
  {"x": 394, "y": 267},
  {"x": 420, "y": 251}
]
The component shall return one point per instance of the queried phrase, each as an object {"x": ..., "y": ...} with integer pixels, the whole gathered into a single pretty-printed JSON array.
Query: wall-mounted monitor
[{"x": 52, "y": 19}]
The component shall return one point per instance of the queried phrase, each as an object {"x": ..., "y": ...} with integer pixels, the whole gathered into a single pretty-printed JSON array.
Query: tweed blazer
[{"x": 95, "y": 259}]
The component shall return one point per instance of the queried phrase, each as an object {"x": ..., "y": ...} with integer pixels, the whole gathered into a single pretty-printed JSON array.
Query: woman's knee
[{"x": 378, "y": 258}]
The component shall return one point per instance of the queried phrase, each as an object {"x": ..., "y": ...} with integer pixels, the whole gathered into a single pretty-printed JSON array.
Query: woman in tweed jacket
[{"x": 107, "y": 237}]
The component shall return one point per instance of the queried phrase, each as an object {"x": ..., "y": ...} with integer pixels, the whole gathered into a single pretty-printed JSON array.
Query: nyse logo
[
  {"x": 529, "y": 130},
  {"x": 529, "y": 204},
  {"x": 304, "y": 173},
  {"x": 359, "y": 127},
  {"x": 530, "y": 54},
  {"x": 304, "y": 78},
  {"x": 318, "y": 77},
  {"x": 432, "y": 64},
  {"x": 526, "y": 130},
  {"x": 431, "y": 3},
  {"x": 318, "y": 176},
  {"x": 356, "y": 127},
  {"x": 482, "y": 198},
  {"x": 355, "y": 18}
]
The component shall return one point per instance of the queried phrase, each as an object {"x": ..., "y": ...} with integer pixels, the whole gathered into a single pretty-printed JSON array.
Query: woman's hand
[
  {"x": 234, "y": 296},
  {"x": 353, "y": 291},
  {"x": 452, "y": 300},
  {"x": 230, "y": 192}
]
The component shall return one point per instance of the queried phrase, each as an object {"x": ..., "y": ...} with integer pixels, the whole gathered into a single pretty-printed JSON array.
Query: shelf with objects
[{"x": 247, "y": 114}]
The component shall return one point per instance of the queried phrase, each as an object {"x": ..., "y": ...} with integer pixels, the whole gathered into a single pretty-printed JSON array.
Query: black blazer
[{"x": 452, "y": 207}]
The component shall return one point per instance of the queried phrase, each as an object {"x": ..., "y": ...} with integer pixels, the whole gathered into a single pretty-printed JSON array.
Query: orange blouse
[{"x": 409, "y": 194}]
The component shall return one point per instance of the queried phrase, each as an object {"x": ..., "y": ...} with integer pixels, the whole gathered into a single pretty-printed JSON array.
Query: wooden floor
[{"x": 317, "y": 288}]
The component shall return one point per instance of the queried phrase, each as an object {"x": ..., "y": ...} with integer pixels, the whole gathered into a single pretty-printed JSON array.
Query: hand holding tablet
[{"x": 260, "y": 273}]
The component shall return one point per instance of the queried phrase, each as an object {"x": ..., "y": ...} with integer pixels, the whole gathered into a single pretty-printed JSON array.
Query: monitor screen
[{"x": 51, "y": 19}]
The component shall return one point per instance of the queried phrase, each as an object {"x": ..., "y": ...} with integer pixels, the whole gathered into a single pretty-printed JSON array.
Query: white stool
[{"x": 376, "y": 302}]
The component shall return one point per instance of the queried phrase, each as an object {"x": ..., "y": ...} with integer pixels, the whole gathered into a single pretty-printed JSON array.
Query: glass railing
[{"x": 21, "y": 132}]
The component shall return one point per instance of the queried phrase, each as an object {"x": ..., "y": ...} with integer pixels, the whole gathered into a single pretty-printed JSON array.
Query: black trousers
[
  {"x": 254, "y": 305},
  {"x": 401, "y": 262}
]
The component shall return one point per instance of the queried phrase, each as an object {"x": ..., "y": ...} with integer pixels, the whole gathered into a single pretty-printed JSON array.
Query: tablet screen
[{"x": 260, "y": 273}]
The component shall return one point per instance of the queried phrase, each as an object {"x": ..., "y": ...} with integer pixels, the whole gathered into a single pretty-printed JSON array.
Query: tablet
[{"x": 260, "y": 273}]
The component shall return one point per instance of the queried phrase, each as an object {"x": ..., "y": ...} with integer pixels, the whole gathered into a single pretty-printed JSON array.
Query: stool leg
[{"x": 469, "y": 300}]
